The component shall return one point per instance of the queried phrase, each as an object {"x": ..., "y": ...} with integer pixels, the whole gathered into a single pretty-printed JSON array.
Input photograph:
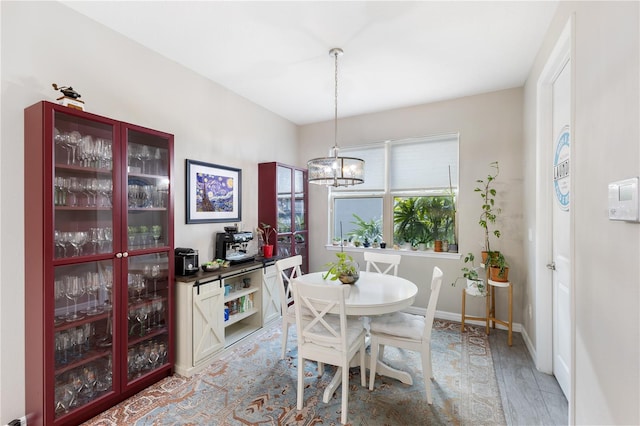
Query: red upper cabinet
[
  {"x": 99, "y": 262},
  {"x": 283, "y": 204}
]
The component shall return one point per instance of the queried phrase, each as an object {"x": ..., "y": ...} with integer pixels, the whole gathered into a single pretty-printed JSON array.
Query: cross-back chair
[
  {"x": 287, "y": 269},
  {"x": 326, "y": 335},
  {"x": 407, "y": 331},
  {"x": 382, "y": 263}
]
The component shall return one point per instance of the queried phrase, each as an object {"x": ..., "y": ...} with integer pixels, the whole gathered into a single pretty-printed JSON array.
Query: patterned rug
[{"x": 251, "y": 385}]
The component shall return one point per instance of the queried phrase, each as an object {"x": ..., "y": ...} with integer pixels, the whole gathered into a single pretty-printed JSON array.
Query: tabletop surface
[{"x": 373, "y": 293}]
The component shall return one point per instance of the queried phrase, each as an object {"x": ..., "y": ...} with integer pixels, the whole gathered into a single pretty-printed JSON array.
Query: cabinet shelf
[
  {"x": 239, "y": 317},
  {"x": 81, "y": 169},
  {"x": 238, "y": 294},
  {"x": 238, "y": 331}
]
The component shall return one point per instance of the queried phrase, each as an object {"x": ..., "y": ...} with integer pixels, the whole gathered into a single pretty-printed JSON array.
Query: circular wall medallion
[{"x": 561, "y": 163}]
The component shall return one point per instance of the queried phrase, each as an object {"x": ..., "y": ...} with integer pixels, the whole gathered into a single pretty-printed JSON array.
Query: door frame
[{"x": 562, "y": 52}]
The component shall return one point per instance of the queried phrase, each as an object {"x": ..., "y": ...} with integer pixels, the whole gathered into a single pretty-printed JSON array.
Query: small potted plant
[
  {"x": 470, "y": 274},
  {"x": 266, "y": 231},
  {"x": 499, "y": 270},
  {"x": 344, "y": 269}
]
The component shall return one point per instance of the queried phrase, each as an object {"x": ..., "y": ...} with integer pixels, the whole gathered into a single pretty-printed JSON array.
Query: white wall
[
  {"x": 45, "y": 43},
  {"x": 490, "y": 127},
  {"x": 605, "y": 148}
]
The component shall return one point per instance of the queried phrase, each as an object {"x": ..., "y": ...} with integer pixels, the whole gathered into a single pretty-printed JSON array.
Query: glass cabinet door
[
  {"x": 284, "y": 186},
  {"x": 147, "y": 314},
  {"x": 83, "y": 334},
  {"x": 82, "y": 187},
  {"x": 299, "y": 194},
  {"x": 147, "y": 190}
]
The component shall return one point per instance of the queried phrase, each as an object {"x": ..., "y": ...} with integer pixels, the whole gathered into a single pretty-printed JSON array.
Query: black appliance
[
  {"x": 232, "y": 245},
  {"x": 186, "y": 261}
]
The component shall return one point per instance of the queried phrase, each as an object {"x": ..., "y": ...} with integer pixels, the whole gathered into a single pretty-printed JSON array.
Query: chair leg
[
  {"x": 300, "y": 382},
  {"x": 464, "y": 304},
  {"x": 285, "y": 336},
  {"x": 320, "y": 369},
  {"x": 345, "y": 393},
  {"x": 363, "y": 368},
  {"x": 374, "y": 361},
  {"x": 426, "y": 367}
]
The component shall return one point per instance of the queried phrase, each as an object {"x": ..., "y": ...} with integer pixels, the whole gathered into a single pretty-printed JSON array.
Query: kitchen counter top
[{"x": 230, "y": 270}]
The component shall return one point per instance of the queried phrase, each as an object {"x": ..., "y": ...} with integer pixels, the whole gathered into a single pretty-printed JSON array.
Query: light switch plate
[{"x": 623, "y": 200}]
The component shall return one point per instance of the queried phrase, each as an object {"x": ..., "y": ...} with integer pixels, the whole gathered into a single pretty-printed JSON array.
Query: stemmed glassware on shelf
[
  {"x": 92, "y": 287},
  {"x": 136, "y": 283},
  {"x": 156, "y": 232},
  {"x": 74, "y": 288}
]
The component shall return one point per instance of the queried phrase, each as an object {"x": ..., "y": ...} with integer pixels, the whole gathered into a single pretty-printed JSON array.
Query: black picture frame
[{"x": 214, "y": 193}]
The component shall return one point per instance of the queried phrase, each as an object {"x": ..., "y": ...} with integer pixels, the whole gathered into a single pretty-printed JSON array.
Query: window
[{"x": 408, "y": 195}]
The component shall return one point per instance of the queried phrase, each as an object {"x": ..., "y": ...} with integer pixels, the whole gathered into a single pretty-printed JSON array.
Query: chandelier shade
[{"x": 335, "y": 170}]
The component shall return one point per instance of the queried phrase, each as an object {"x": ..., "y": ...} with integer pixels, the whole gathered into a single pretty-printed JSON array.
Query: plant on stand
[
  {"x": 470, "y": 274},
  {"x": 489, "y": 212}
]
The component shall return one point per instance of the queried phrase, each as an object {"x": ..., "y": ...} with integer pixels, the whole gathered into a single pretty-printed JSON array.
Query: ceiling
[{"x": 396, "y": 53}]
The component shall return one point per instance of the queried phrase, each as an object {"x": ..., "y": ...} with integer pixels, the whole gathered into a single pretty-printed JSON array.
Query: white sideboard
[{"x": 201, "y": 328}]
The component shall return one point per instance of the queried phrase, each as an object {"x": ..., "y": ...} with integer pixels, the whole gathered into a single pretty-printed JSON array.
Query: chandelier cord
[{"x": 335, "y": 116}]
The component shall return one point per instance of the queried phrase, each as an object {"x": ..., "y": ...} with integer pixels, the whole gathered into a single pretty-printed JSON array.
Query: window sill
[{"x": 402, "y": 252}]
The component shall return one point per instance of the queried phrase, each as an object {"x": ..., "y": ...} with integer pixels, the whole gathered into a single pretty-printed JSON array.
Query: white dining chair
[
  {"x": 327, "y": 335},
  {"x": 407, "y": 331},
  {"x": 382, "y": 263},
  {"x": 287, "y": 269}
]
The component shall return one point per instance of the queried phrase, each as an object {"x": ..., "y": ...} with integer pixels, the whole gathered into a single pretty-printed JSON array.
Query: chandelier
[{"x": 335, "y": 170}]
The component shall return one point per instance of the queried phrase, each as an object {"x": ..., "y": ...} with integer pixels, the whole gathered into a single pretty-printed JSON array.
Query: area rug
[{"x": 251, "y": 385}]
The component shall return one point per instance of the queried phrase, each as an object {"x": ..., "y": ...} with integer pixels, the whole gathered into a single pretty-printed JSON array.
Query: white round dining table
[{"x": 372, "y": 294}]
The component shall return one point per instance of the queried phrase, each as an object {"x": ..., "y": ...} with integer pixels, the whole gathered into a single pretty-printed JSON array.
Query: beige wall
[
  {"x": 119, "y": 79},
  {"x": 606, "y": 254},
  {"x": 490, "y": 127}
]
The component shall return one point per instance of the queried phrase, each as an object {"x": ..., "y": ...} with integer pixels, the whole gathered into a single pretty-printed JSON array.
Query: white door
[{"x": 561, "y": 117}]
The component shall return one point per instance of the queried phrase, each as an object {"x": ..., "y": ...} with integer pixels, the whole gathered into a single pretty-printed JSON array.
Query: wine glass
[
  {"x": 142, "y": 313},
  {"x": 153, "y": 272},
  {"x": 131, "y": 233},
  {"x": 73, "y": 141},
  {"x": 59, "y": 293},
  {"x": 74, "y": 288},
  {"x": 78, "y": 239},
  {"x": 156, "y": 232},
  {"x": 136, "y": 283},
  {"x": 144, "y": 155},
  {"x": 92, "y": 287}
]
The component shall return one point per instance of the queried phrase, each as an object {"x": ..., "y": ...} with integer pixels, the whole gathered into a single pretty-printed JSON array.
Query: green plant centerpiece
[{"x": 344, "y": 269}]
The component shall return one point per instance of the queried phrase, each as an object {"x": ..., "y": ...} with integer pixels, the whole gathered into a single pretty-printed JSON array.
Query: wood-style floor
[{"x": 529, "y": 397}]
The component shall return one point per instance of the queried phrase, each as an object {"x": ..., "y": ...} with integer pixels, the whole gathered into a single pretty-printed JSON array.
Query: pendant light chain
[
  {"x": 335, "y": 116},
  {"x": 334, "y": 170}
]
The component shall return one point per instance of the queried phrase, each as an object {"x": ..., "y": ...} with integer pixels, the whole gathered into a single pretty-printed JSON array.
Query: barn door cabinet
[
  {"x": 203, "y": 328},
  {"x": 98, "y": 262}
]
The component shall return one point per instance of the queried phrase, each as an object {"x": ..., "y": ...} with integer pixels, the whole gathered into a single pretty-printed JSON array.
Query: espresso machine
[{"x": 232, "y": 245}]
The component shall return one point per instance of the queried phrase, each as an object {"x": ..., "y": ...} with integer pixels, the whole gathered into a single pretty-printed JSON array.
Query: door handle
[{"x": 551, "y": 266}]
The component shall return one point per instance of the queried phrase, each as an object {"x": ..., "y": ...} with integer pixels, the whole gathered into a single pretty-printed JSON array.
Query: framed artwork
[{"x": 213, "y": 193}]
